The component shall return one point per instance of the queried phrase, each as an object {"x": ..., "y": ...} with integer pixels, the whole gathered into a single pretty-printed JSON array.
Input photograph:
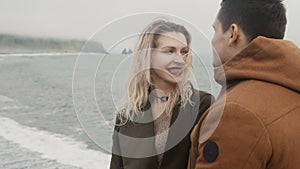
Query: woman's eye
[
  {"x": 168, "y": 51},
  {"x": 185, "y": 51}
]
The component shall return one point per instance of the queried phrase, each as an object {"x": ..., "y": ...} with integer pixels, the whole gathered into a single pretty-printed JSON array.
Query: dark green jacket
[{"x": 136, "y": 139}]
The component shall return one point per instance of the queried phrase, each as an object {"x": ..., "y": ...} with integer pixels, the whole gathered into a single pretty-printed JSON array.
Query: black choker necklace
[{"x": 162, "y": 98}]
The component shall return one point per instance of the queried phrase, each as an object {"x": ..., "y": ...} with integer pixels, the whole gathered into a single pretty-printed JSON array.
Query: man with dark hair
[{"x": 255, "y": 122}]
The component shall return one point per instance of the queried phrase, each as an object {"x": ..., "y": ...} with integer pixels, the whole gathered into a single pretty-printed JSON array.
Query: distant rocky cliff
[{"x": 18, "y": 44}]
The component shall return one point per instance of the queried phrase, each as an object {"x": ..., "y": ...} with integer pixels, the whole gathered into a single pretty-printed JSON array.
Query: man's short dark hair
[{"x": 255, "y": 17}]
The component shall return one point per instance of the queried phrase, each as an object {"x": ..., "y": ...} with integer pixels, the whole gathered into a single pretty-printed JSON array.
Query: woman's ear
[{"x": 234, "y": 32}]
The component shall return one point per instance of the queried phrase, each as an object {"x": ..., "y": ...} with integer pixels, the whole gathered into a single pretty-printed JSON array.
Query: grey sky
[{"x": 79, "y": 19}]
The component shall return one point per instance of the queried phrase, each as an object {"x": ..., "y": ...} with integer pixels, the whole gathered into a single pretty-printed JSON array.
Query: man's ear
[{"x": 234, "y": 32}]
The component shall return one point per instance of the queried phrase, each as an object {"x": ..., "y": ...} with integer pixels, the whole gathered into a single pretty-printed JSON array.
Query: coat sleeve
[
  {"x": 116, "y": 160},
  {"x": 240, "y": 141}
]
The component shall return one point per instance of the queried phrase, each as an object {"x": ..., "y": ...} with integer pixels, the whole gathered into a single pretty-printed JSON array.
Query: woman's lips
[{"x": 175, "y": 71}]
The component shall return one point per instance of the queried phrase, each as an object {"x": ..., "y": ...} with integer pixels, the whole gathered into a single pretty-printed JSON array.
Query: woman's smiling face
[{"x": 168, "y": 59}]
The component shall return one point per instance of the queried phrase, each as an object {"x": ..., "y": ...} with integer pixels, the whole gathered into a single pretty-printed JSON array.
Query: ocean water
[{"x": 46, "y": 120}]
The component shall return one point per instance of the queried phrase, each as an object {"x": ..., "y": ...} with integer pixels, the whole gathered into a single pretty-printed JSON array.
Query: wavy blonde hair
[{"x": 140, "y": 82}]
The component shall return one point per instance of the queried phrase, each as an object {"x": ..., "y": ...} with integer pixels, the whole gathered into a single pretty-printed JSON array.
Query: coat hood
[{"x": 270, "y": 60}]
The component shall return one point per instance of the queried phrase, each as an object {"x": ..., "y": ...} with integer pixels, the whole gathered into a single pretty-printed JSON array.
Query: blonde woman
[{"x": 153, "y": 128}]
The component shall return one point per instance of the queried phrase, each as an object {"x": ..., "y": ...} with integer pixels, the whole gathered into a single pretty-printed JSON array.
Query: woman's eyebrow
[
  {"x": 173, "y": 47},
  {"x": 168, "y": 47}
]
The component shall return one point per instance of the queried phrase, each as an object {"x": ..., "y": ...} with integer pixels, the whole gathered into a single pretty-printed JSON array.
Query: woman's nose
[{"x": 179, "y": 58}]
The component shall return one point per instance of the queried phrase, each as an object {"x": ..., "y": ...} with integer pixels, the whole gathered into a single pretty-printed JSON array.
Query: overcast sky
[{"x": 79, "y": 19}]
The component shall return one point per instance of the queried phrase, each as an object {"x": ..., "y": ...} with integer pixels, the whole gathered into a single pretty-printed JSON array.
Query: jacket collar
[{"x": 271, "y": 60}]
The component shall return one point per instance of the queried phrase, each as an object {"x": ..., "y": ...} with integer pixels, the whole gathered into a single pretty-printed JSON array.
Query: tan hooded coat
[{"x": 255, "y": 122}]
